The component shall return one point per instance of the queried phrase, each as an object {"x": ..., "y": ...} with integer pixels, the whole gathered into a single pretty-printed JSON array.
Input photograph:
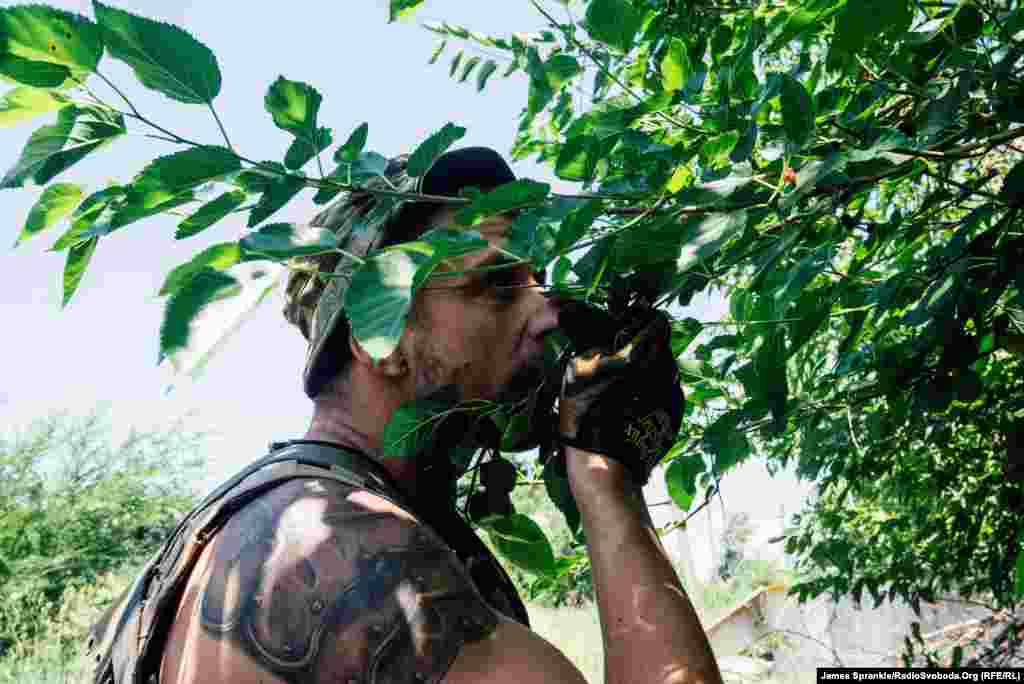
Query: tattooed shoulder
[{"x": 320, "y": 582}]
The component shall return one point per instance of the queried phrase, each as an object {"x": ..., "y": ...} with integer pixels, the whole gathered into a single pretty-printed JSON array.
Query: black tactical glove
[{"x": 624, "y": 400}]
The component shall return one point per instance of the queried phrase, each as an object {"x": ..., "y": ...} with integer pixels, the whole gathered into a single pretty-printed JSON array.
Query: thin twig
[{"x": 220, "y": 126}]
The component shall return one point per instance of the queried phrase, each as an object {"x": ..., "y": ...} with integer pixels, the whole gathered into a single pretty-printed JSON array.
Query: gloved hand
[{"x": 624, "y": 401}]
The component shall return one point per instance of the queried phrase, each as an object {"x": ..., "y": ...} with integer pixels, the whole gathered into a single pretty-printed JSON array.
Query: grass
[{"x": 576, "y": 632}]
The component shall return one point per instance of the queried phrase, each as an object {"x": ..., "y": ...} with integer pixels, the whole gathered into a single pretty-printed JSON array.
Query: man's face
[{"x": 481, "y": 334}]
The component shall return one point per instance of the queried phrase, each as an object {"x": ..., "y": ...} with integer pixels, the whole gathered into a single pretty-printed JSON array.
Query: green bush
[{"x": 74, "y": 508}]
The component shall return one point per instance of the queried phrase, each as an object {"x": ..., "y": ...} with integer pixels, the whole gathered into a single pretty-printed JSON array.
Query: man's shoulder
[{"x": 317, "y": 577}]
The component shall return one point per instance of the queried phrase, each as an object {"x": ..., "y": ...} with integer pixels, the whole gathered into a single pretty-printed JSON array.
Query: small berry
[{"x": 789, "y": 176}]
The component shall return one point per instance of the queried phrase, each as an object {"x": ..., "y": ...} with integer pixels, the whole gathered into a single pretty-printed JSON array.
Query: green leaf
[
  {"x": 379, "y": 298},
  {"x": 798, "y": 22},
  {"x": 410, "y": 431},
  {"x": 681, "y": 477},
  {"x": 433, "y": 147},
  {"x": 208, "y": 214},
  {"x": 187, "y": 303},
  {"x": 401, "y": 8},
  {"x": 560, "y": 69},
  {"x": 276, "y": 185},
  {"x": 286, "y": 240},
  {"x": 650, "y": 243},
  {"x": 518, "y": 194},
  {"x": 368, "y": 165},
  {"x": 485, "y": 72},
  {"x": 456, "y": 61},
  {"x": 165, "y": 58},
  {"x": 56, "y": 202},
  {"x": 531, "y": 238},
  {"x": 557, "y": 486},
  {"x": 613, "y": 22},
  {"x": 22, "y": 104},
  {"x": 705, "y": 236},
  {"x": 52, "y": 149},
  {"x": 797, "y": 110},
  {"x": 467, "y": 68},
  {"x": 729, "y": 445},
  {"x": 859, "y": 22},
  {"x": 437, "y": 52},
  {"x": 96, "y": 206},
  {"x": 210, "y": 332},
  {"x": 1018, "y": 572},
  {"x": 138, "y": 204},
  {"x": 302, "y": 149},
  {"x": 675, "y": 66},
  {"x": 1012, "y": 191},
  {"x": 78, "y": 260},
  {"x": 353, "y": 147},
  {"x": 294, "y": 107},
  {"x": 44, "y": 34},
  {"x": 32, "y": 73},
  {"x": 522, "y": 541},
  {"x": 575, "y": 225},
  {"x": 717, "y": 149},
  {"x": 218, "y": 257},
  {"x": 187, "y": 169}
]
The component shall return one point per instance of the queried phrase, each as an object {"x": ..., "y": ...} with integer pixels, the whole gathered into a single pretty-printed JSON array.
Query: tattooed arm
[{"x": 318, "y": 582}]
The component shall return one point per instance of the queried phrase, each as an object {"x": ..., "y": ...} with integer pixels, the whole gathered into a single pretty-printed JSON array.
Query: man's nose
[{"x": 545, "y": 318}]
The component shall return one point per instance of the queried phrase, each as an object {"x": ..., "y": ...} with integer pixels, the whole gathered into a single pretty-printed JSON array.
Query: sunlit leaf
[
  {"x": 218, "y": 321},
  {"x": 218, "y": 257},
  {"x": 77, "y": 262},
  {"x": 188, "y": 302},
  {"x": 32, "y": 73},
  {"x": 56, "y": 202},
  {"x": 286, "y": 240},
  {"x": 23, "y": 104},
  {"x": 208, "y": 214},
  {"x": 675, "y": 66},
  {"x": 353, "y": 147},
  {"x": 518, "y": 194},
  {"x": 98, "y": 207},
  {"x": 53, "y": 149},
  {"x": 437, "y": 52},
  {"x": 188, "y": 169},
  {"x": 379, "y": 298},
  {"x": 40, "y": 33},
  {"x": 398, "y": 9},
  {"x": 164, "y": 57},
  {"x": 433, "y": 147},
  {"x": 485, "y": 72},
  {"x": 294, "y": 107}
]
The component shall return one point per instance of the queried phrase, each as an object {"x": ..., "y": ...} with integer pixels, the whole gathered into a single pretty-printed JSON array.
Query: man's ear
[{"x": 393, "y": 366}]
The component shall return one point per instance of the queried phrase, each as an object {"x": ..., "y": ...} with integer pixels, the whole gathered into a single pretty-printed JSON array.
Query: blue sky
[{"x": 102, "y": 349}]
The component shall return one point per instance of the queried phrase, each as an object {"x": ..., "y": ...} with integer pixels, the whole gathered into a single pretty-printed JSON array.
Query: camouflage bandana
[
  {"x": 363, "y": 224},
  {"x": 315, "y": 304}
]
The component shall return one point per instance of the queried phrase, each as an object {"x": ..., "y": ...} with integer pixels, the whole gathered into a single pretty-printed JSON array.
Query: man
[{"x": 364, "y": 572}]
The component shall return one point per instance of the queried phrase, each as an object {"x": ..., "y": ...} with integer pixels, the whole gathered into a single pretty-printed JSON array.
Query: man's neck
[{"x": 328, "y": 429}]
